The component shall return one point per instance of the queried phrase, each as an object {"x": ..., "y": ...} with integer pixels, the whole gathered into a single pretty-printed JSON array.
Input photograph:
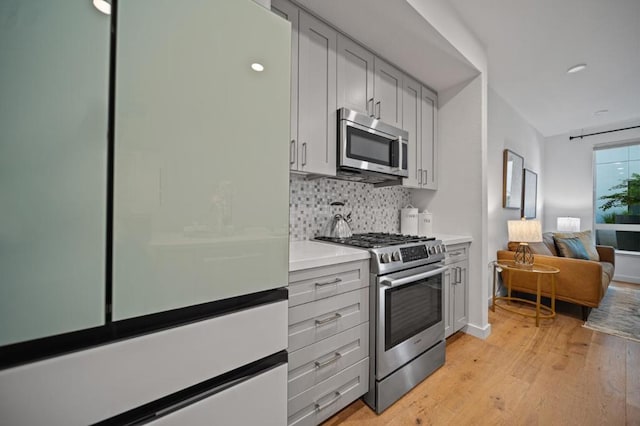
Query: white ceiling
[
  {"x": 531, "y": 43},
  {"x": 395, "y": 31}
]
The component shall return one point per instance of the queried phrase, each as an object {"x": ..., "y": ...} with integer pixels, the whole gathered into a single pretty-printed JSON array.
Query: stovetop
[
  {"x": 376, "y": 239},
  {"x": 394, "y": 252}
]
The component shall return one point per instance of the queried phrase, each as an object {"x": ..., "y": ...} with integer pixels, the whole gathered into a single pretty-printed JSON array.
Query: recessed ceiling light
[
  {"x": 103, "y": 6},
  {"x": 601, "y": 112},
  {"x": 257, "y": 67},
  {"x": 576, "y": 68}
]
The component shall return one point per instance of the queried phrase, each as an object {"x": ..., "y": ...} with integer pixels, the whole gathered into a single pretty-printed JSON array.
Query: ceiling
[
  {"x": 531, "y": 44},
  {"x": 394, "y": 30}
]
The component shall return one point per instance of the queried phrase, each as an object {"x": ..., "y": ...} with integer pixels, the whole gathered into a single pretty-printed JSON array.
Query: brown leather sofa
[{"x": 583, "y": 282}]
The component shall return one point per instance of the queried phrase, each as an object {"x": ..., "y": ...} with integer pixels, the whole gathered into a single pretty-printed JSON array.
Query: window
[{"x": 617, "y": 196}]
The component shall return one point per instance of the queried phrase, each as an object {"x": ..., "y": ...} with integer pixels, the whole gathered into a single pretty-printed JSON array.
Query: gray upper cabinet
[
  {"x": 388, "y": 93},
  {"x": 355, "y": 76},
  {"x": 419, "y": 119},
  {"x": 411, "y": 99},
  {"x": 428, "y": 135},
  {"x": 368, "y": 84},
  {"x": 317, "y": 106},
  {"x": 312, "y": 141},
  {"x": 54, "y": 87},
  {"x": 291, "y": 13}
]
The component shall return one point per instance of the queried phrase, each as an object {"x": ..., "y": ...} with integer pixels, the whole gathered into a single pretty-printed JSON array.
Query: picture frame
[
  {"x": 512, "y": 180},
  {"x": 529, "y": 194}
]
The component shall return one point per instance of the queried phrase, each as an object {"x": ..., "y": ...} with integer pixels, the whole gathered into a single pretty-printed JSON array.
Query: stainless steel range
[{"x": 407, "y": 326}]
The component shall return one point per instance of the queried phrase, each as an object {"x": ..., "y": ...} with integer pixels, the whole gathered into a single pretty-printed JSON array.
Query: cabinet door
[
  {"x": 199, "y": 144},
  {"x": 447, "y": 289},
  {"x": 411, "y": 100},
  {"x": 317, "y": 107},
  {"x": 460, "y": 295},
  {"x": 54, "y": 87},
  {"x": 429, "y": 156},
  {"x": 288, "y": 11},
  {"x": 388, "y": 93},
  {"x": 355, "y": 76}
]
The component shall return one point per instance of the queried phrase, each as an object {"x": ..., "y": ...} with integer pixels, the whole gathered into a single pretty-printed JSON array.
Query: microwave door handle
[{"x": 413, "y": 278}]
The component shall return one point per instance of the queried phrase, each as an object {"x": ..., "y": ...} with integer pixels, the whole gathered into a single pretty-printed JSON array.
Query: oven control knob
[
  {"x": 395, "y": 256},
  {"x": 385, "y": 258},
  {"x": 439, "y": 248}
]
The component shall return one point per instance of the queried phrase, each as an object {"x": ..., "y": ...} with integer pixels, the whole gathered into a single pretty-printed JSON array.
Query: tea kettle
[{"x": 338, "y": 225}]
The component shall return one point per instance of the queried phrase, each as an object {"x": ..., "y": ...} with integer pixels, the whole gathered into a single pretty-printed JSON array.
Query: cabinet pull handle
[
  {"x": 456, "y": 253},
  {"x": 370, "y": 109},
  {"x": 336, "y": 357},
  {"x": 304, "y": 153},
  {"x": 336, "y": 281},
  {"x": 292, "y": 152},
  {"x": 426, "y": 176},
  {"x": 328, "y": 403},
  {"x": 335, "y": 317},
  {"x": 420, "y": 176},
  {"x": 378, "y": 114}
]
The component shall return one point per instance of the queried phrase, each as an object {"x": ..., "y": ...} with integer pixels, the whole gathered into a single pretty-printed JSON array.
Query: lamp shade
[
  {"x": 525, "y": 231},
  {"x": 570, "y": 224}
]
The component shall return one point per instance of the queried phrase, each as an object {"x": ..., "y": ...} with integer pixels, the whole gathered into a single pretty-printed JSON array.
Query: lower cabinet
[
  {"x": 328, "y": 340},
  {"x": 456, "y": 288}
]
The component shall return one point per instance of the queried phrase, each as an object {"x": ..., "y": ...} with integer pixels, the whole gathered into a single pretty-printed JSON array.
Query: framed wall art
[
  {"x": 529, "y": 194},
  {"x": 512, "y": 178}
]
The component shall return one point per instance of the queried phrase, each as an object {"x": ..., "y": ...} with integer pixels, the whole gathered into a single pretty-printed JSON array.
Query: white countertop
[
  {"x": 450, "y": 240},
  {"x": 312, "y": 254}
]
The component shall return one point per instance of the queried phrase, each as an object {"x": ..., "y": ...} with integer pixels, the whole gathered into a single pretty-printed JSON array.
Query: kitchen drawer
[
  {"x": 327, "y": 398},
  {"x": 314, "y": 321},
  {"x": 456, "y": 253},
  {"x": 317, "y": 283},
  {"x": 314, "y": 363}
]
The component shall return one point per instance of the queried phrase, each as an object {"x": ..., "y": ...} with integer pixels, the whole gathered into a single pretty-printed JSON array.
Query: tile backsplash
[{"x": 372, "y": 209}]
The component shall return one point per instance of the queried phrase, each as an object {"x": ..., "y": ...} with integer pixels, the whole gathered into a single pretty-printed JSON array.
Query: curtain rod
[{"x": 600, "y": 133}]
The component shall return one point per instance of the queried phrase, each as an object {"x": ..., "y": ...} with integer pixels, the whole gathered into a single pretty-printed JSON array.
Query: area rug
[{"x": 618, "y": 314}]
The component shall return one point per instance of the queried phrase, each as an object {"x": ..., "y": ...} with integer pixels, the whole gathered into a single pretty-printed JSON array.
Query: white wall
[
  {"x": 457, "y": 204},
  {"x": 568, "y": 182},
  {"x": 460, "y": 204},
  {"x": 509, "y": 130}
]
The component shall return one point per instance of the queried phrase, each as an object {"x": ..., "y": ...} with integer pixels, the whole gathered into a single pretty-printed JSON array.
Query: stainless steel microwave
[{"x": 368, "y": 146}]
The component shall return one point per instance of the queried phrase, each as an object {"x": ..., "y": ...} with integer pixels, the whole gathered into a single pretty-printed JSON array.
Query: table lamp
[
  {"x": 569, "y": 224},
  {"x": 524, "y": 232}
]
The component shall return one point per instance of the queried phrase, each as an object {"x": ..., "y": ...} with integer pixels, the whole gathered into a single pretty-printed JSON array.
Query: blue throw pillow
[{"x": 571, "y": 247}]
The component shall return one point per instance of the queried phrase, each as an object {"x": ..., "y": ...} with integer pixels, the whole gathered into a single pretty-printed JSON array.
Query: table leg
[
  {"x": 553, "y": 294},
  {"x": 493, "y": 297},
  {"x": 538, "y": 300}
]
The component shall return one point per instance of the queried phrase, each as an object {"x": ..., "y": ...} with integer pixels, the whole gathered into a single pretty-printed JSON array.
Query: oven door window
[
  {"x": 412, "y": 308},
  {"x": 366, "y": 146}
]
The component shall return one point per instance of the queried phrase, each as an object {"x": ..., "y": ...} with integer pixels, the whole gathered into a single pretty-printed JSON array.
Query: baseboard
[
  {"x": 476, "y": 331},
  {"x": 626, "y": 279}
]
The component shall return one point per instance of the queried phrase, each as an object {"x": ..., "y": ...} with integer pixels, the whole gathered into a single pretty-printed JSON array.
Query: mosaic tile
[{"x": 372, "y": 209}]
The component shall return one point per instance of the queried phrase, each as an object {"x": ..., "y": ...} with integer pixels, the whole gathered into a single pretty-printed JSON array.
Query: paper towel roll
[
  {"x": 409, "y": 220},
  {"x": 425, "y": 225}
]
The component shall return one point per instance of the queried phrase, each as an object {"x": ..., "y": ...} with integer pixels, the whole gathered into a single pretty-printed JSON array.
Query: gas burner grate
[{"x": 376, "y": 239}]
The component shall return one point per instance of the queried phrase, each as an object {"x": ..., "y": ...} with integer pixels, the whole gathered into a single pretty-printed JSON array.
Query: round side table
[{"x": 541, "y": 271}]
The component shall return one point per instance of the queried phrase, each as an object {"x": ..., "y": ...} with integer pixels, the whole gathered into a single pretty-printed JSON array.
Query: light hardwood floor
[{"x": 558, "y": 374}]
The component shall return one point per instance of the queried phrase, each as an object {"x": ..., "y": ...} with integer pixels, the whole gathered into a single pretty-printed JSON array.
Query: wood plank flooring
[{"x": 557, "y": 374}]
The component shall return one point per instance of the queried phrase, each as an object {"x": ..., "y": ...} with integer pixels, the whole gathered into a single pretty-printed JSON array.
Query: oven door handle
[{"x": 413, "y": 278}]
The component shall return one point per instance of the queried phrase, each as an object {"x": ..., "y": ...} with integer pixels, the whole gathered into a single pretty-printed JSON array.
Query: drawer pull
[
  {"x": 336, "y": 281},
  {"x": 336, "y": 357},
  {"x": 456, "y": 253},
  {"x": 335, "y": 317},
  {"x": 328, "y": 403}
]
